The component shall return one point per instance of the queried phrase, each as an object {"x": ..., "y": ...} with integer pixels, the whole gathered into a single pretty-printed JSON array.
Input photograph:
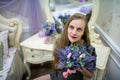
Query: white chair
[{"x": 13, "y": 59}]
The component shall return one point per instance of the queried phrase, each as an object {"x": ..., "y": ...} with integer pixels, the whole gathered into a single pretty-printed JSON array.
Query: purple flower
[
  {"x": 83, "y": 0},
  {"x": 89, "y": 59},
  {"x": 48, "y": 32},
  {"x": 85, "y": 10}
]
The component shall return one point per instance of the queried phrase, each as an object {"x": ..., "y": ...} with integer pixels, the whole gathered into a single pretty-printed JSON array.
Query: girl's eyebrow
[{"x": 71, "y": 25}]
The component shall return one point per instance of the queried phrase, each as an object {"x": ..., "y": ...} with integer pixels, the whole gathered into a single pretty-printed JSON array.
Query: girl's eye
[
  {"x": 79, "y": 29},
  {"x": 71, "y": 27}
]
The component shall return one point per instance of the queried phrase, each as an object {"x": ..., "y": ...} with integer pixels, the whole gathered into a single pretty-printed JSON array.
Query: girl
[{"x": 75, "y": 31}]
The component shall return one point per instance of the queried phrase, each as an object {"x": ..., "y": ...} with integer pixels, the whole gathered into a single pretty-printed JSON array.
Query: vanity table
[{"x": 35, "y": 51}]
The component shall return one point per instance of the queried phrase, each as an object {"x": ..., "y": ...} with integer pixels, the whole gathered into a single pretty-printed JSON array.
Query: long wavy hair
[{"x": 63, "y": 40}]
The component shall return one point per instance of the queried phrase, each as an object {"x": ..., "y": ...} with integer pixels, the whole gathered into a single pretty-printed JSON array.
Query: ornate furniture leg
[{"x": 28, "y": 69}]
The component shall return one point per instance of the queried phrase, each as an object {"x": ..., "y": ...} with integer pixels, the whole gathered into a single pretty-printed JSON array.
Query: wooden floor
[{"x": 38, "y": 70}]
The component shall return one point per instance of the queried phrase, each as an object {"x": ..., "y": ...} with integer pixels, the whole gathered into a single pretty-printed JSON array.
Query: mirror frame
[{"x": 95, "y": 10}]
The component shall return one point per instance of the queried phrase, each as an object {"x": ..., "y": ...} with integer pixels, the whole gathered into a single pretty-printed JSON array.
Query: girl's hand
[
  {"x": 85, "y": 72},
  {"x": 82, "y": 70}
]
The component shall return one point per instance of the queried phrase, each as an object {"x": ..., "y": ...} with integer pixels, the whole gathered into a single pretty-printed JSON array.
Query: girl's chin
[{"x": 72, "y": 41}]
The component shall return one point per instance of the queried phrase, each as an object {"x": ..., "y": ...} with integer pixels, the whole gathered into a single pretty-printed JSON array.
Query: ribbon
[{"x": 65, "y": 74}]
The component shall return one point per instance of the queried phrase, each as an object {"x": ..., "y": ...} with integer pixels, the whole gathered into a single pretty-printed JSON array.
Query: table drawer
[
  {"x": 37, "y": 56},
  {"x": 32, "y": 52}
]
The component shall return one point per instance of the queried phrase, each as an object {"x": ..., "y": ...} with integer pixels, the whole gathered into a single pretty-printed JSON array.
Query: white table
[{"x": 35, "y": 51}]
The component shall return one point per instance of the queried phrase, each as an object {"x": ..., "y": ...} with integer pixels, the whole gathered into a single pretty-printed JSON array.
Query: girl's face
[{"x": 76, "y": 30}]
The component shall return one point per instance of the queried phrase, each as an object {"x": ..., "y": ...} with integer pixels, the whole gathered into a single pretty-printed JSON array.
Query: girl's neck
[{"x": 79, "y": 42}]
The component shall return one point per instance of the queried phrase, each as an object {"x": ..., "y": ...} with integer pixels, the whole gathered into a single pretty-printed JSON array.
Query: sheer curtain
[{"x": 29, "y": 11}]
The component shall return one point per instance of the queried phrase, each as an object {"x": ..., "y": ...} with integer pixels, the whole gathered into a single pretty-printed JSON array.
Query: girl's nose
[{"x": 74, "y": 31}]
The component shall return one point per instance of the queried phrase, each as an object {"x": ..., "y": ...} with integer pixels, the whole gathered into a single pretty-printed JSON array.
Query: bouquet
[
  {"x": 64, "y": 18},
  {"x": 75, "y": 56},
  {"x": 50, "y": 29}
]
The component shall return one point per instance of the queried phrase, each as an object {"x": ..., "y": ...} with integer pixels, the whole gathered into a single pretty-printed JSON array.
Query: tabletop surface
[{"x": 36, "y": 42}]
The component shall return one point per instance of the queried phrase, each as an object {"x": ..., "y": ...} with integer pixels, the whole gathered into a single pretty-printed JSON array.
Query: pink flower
[
  {"x": 69, "y": 55},
  {"x": 82, "y": 56}
]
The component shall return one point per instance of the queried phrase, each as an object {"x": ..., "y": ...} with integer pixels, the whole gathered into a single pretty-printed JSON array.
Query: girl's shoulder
[{"x": 90, "y": 48}]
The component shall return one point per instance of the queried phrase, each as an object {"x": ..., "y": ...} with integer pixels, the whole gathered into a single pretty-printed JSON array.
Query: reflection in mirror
[
  {"x": 58, "y": 7},
  {"x": 55, "y": 4},
  {"x": 80, "y": 6},
  {"x": 69, "y": 7}
]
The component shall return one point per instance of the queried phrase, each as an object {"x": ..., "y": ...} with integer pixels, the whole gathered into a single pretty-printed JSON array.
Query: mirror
[
  {"x": 108, "y": 19},
  {"x": 63, "y": 7}
]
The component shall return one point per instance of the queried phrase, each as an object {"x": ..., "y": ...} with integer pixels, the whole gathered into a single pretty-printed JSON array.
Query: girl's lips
[{"x": 73, "y": 37}]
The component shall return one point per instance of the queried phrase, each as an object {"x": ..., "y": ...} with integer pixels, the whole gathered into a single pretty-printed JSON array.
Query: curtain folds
[{"x": 29, "y": 11}]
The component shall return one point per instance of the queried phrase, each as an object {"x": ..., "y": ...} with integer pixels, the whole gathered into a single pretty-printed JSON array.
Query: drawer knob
[
  {"x": 33, "y": 56},
  {"x": 31, "y": 49}
]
